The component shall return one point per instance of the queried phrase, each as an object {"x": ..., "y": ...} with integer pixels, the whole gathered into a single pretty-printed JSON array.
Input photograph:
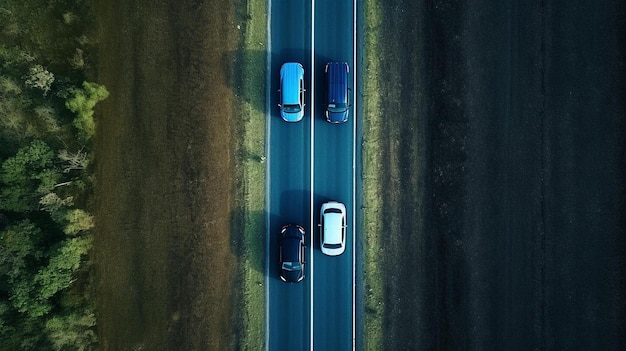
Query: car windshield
[
  {"x": 337, "y": 108},
  {"x": 291, "y": 108},
  {"x": 332, "y": 246},
  {"x": 292, "y": 266}
]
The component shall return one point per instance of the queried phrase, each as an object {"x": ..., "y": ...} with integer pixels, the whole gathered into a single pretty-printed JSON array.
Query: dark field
[
  {"x": 165, "y": 170},
  {"x": 504, "y": 140}
]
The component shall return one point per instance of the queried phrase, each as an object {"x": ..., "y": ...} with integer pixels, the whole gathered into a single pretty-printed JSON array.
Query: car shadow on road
[{"x": 252, "y": 240}]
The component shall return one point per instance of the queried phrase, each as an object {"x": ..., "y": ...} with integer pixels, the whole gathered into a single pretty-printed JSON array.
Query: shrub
[{"x": 82, "y": 102}]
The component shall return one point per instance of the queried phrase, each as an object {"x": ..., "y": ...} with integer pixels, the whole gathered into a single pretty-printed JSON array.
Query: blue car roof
[
  {"x": 290, "y": 74},
  {"x": 337, "y": 75},
  {"x": 337, "y": 90}
]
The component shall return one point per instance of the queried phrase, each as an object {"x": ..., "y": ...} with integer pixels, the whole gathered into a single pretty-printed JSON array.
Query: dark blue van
[{"x": 337, "y": 98}]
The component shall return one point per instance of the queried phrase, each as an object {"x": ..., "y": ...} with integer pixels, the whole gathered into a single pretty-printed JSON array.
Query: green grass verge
[
  {"x": 253, "y": 156},
  {"x": 374, "y": 302}
]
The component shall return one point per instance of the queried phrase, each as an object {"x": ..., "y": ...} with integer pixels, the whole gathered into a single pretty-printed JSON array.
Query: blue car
[
  {"x": 291, "y": 92},
  {"x": 337, "y": 92}
]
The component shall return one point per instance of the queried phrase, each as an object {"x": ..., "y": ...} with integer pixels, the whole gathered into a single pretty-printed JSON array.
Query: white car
[{"x": 333, "y": 228}]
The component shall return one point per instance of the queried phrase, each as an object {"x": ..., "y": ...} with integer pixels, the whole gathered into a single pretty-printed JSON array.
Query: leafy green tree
[
  {"x": 27, "y": 176},
  {"x": 25, "y": 297},
  {"x": 32, "y": 281},
  {"x": 82, "y": 102},
  {"x": 21, "y": 252},
  {"x": 8, "y": 87},
  {"x": 46, "y": 302},
  {"x": 52, "y": 203},
  {"x": 20, "y": 332},
  {"x": 77, "y": 221},
  {"x": 63, "y": 264},
  {"x": 6, "y": 327},
  {"x": 72, "y": 331},
  {"x": 72, "y": 220},
  {"x": 19, "y": 249},
  {"x": 13, "y": 110}
]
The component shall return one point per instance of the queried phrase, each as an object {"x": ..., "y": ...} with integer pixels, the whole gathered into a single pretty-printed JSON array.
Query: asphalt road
[
  {"x": 333, "y": 280},
  {"x": 289, "y": 178},
  {"x": 524, "y": 246},
  {"x": 310, "y": 162}
]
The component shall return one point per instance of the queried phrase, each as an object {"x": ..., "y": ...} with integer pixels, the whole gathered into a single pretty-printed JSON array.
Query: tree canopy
[
  {"x": 27, "y": 176},
  {"x": 83, "y": 102},
  {"x": 47, "y": 101}
]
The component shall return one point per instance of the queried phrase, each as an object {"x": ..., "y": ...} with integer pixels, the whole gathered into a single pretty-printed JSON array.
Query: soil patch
[{"x": 501, "y": 178}]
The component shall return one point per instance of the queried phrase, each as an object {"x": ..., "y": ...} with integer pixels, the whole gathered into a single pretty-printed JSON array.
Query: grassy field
[
  {"x": 166, "y": 162},
  {"x": 372, "y": 168},
  {"x": 251, "y": 169},
  {"x": 394, "y": 163}
]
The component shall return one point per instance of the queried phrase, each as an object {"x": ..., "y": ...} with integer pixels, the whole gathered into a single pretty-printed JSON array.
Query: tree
[
  {"x": 33, "y": 280},
  {"x": 78, "y": 160},
  {"x": 51, "y": 202},
  {"x": 39, "y": 77},
  {"x": 72, "y": 332},
  {"x": 64, "y": 262},
  {"x": 77, "y": 221},
  {"x": 27, "y": 176},
  {"x": 19, "y": 249},
  {"x": 82, "y": 102},
  {"x": 20, "y": 255},
  {"x": 73, "y": 221}
]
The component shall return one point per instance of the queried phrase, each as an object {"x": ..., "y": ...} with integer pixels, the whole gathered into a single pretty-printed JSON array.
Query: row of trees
[{"x": 46, "y": 125}]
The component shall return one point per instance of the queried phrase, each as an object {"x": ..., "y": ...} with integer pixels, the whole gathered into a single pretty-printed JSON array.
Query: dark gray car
[{"x": 292, "y": 249}]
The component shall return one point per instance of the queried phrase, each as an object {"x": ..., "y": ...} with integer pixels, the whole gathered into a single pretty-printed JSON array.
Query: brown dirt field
[
  {"x": 502, "y": 188},
  {"x": 165, "y": 157}
]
